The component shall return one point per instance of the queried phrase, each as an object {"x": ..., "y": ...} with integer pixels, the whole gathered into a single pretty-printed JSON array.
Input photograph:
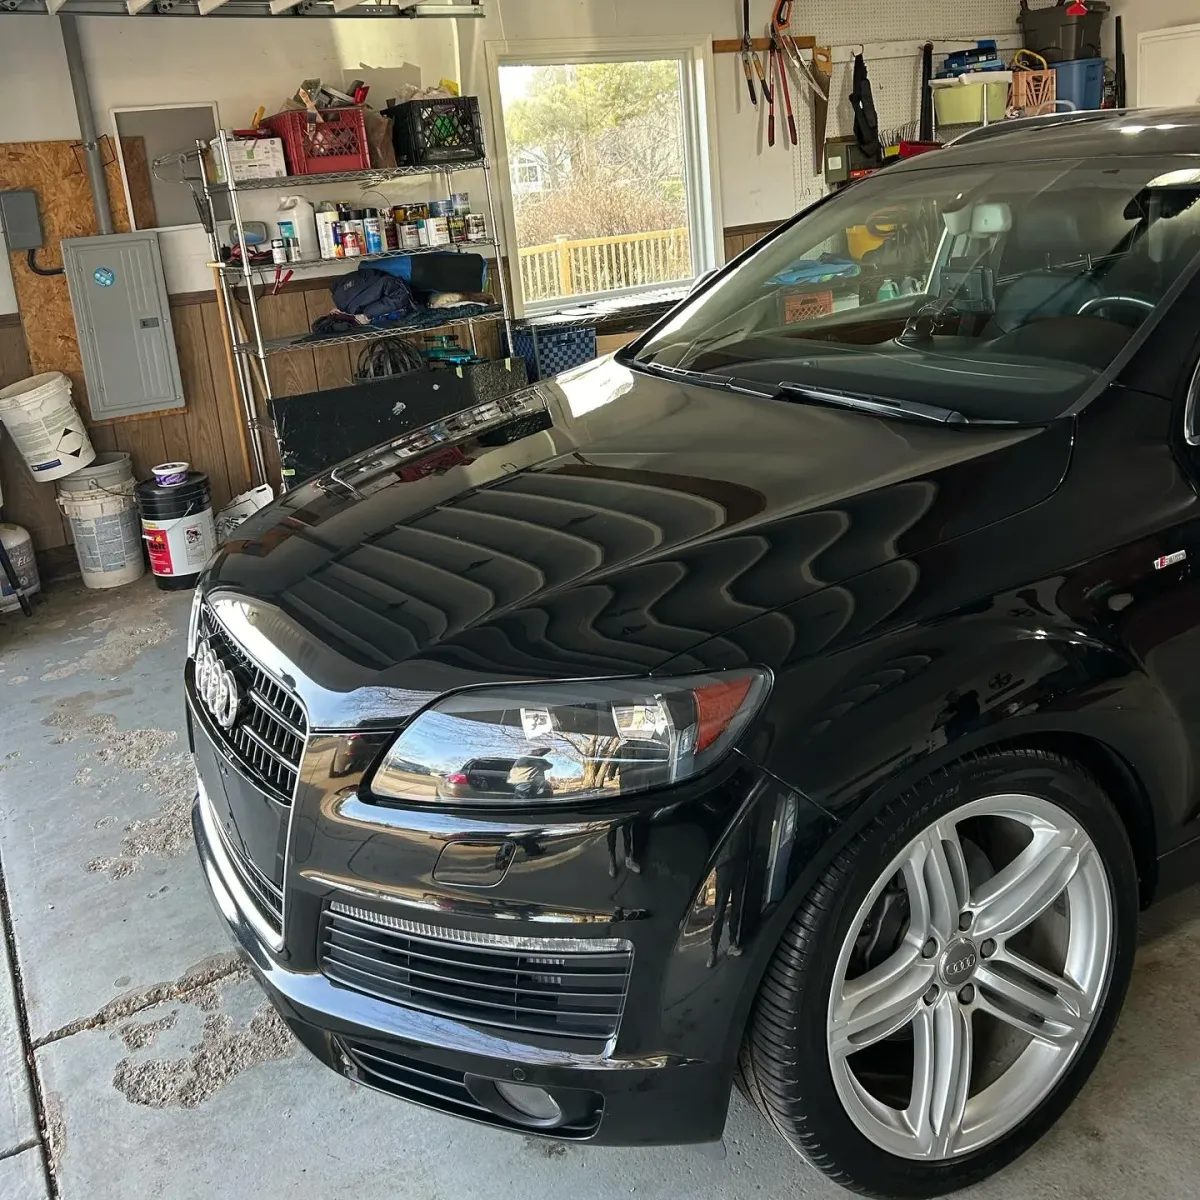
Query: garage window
[{"x": 609, "y": 169}]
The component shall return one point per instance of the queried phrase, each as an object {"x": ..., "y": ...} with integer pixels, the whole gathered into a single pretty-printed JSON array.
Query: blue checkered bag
[{"x": 557, "y": 349}]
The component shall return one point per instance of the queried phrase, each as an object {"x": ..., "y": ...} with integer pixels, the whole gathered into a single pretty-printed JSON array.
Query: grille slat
[
  {"x": 269, "y": 735},
  {"x": 437, "y": 1087},
  {"x": 614, "y": 977},
  {"x": 460, "y": 954},
  {"x": 464, "y": 995},
  {"x": 571, "y": 996}
]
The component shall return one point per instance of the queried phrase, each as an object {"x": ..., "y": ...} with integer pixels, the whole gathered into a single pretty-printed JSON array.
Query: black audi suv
[{"x": 806, "y": 698}]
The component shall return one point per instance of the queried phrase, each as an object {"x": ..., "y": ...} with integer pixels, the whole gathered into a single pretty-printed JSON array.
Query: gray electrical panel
[
  {"x": 19, "y": 220},
  {"x": 123, "y": 319}
]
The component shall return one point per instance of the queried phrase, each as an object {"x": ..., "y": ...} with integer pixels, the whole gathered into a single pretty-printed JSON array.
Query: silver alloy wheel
[{"x": 954, "y": 969}]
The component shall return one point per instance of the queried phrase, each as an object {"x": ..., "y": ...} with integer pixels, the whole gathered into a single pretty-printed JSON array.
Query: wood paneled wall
[
  {"x": 205, "y": 432},
  {"x": 742, "y": 237}
]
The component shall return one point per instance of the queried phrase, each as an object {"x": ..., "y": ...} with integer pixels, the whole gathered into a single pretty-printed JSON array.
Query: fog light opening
[{"x": 534, "y": 1103}]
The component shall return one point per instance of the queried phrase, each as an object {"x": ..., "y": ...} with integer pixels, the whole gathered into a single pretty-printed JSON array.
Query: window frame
[
  {"x": 699, "y": 132},
  {"x": 125, "y": 109}
]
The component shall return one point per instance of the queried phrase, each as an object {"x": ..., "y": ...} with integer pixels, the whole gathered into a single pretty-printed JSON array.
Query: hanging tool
[
  {"x": 280, "y": 279},
  {"x": 778, "y": 69},
  {"x": 751, "y": 63},
  {"x": 925, "y": 124},
  {"x": 822, "y": 69},
  {"x": 779, "y": 29}
]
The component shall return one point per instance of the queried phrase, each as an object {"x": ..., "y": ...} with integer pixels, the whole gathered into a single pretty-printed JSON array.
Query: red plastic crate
[
  {"x": 806, "y": 306},
  {"x": 339, "y": 143}
]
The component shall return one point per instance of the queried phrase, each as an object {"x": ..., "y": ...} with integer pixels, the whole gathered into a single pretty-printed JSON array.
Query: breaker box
[{"x": 123, "y": 319}]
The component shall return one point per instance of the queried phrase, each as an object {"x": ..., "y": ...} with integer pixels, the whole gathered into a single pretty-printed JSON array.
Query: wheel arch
[{"x": 1111, "y": 770}]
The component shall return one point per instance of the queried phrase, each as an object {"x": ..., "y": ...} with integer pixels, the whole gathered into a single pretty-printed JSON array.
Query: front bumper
[
  {"x": 639, "y": 1100},
  {"x": 672, "y": 882}
]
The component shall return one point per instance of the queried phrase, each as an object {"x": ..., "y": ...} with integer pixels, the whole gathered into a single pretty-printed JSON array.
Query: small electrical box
[{"x": 19, "y": 220}]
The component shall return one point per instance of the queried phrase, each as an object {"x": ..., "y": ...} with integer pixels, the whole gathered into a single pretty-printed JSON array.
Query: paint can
[
  {"x": 177, "y": 524},
  {"x": 98, "y": 501},
  {"x": 43, "y": 424},
  {"x": 19, "y": 547}
]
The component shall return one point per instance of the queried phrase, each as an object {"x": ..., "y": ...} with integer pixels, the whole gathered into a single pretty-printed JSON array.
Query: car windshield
[{"x": 998, "y": 291}]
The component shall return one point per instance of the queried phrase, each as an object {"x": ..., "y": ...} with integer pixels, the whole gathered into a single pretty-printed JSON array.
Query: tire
[{"x": 817, "y": 1012}]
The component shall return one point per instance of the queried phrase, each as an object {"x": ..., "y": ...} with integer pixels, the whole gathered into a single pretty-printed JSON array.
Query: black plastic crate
[{"x": 431, "y": 132}]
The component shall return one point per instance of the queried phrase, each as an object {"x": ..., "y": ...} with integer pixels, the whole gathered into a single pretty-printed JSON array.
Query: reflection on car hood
[{"x": 629, "y": 519}]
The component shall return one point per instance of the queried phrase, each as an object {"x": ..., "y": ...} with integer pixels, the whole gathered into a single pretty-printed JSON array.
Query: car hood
[{"x": 615, "y": 521}]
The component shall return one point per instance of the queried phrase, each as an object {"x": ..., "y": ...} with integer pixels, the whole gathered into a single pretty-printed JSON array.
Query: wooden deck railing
[{"x": 572, "y": 268}]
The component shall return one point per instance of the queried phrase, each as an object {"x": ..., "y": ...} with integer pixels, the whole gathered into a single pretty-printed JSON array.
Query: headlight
[{"x": 565, "y": 742}]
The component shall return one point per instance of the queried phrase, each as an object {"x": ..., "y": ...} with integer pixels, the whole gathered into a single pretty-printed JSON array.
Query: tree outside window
[{"x": 598, "y": 167}]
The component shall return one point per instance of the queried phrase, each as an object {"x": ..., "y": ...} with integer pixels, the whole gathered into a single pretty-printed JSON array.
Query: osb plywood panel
[
  {"x": 26, "y": 502},
  {"x": 55, "y": 171},
  {"x": 137, "y": 174}
]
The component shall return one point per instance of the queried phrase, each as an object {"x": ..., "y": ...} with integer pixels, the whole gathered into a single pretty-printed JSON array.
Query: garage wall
[
  {"x": 238, "y": 64},
  {"x": 757, "y": 184},
  {"x": 1174, "y": 86},
  {"x": 241, "y": 64}
]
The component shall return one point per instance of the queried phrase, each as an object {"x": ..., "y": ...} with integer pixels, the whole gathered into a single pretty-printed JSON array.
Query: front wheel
[{"x": 948, "y": 985}]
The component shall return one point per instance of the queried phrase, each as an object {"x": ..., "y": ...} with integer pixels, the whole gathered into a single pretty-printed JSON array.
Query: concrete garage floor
[{"x": 160, "y": 1070}]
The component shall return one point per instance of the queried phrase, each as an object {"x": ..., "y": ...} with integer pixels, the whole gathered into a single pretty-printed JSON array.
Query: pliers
[{"x": 751, "y": 65}]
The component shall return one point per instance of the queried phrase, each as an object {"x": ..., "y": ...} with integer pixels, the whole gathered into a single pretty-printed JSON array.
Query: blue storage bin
[
  {"x": 1081, "y": 82},
  {"x": 549, "y": 350}
]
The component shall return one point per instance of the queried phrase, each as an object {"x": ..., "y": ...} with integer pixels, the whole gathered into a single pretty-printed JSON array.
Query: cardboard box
[{"x": 252, "y": 158}]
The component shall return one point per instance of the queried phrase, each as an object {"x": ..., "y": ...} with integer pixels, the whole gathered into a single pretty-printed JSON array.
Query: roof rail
[{"x": 1046, "y": 121}]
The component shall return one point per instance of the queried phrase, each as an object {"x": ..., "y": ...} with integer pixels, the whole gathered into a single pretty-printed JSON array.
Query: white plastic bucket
[
  {"x": 20, "y": 552},
  {"x": 42, "y": 421},
  {"x": 100, "y": 504}
]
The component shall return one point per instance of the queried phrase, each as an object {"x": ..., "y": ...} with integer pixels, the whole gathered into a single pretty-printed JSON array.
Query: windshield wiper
[
  {"x": 878, "y": 405},
  {"x": 727, "y": 383}
]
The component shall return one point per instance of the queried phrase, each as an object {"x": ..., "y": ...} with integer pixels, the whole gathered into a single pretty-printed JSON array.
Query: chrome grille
[
  {"x": 434, "y": 1086},
  {"x": 267, "y": 740},
  {"x": 267, "y": 896},
  {"x": 569, "y": 997}
]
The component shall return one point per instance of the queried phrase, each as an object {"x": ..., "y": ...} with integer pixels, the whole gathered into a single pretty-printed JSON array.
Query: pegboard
[{"x": 895, "y": 70}]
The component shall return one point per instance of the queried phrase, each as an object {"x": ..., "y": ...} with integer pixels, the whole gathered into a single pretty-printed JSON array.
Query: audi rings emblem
[{"x": 216, "y": 686}]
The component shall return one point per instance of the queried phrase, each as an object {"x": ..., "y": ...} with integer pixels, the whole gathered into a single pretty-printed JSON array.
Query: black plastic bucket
[{"x": 177, "y": 524}]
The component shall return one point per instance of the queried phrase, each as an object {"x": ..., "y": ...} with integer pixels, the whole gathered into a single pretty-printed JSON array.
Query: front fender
[
  {"x": 849, "y": 731},
  {"x": 853, "y": 723}
]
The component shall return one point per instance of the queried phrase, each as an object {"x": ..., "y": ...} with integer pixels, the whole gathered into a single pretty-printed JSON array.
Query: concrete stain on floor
[
  {"x": 224, "y": 1052},
  {"x": 140, "y": 626},
  {"x": 148, "y": 753}
]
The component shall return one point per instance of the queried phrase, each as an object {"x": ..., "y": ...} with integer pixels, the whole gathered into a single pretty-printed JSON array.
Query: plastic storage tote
[
  {"x": 1058, "y": 37},
  {"x": 1082, "y": 83},
  {"x": 958, "y": 103}
]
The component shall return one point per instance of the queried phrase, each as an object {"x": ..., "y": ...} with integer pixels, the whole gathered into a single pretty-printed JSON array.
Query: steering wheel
[{"x": 1098, "y": 303}]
